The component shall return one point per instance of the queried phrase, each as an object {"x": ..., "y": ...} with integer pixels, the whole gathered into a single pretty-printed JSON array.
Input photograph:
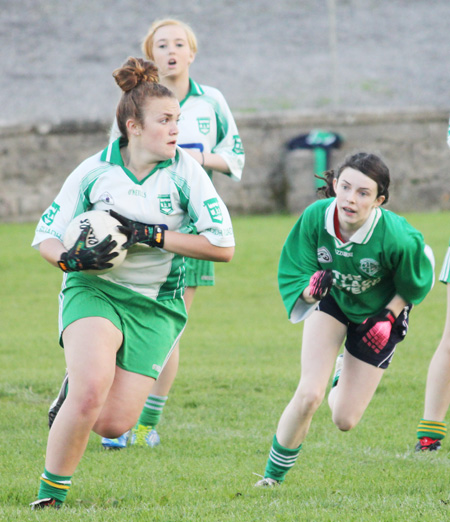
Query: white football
[{"x": 102, "y": 224}]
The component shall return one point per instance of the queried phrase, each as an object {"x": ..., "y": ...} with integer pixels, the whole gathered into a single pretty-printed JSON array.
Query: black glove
[
  {"x": 81, "y": 257},
  {"x": 151, "y": 235},
  {"x": 320, "y": 284},
  {"x": 376, "y": 330}
]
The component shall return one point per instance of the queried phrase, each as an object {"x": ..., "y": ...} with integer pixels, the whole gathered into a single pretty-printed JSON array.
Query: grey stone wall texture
[{"x": 376, "y": 72}]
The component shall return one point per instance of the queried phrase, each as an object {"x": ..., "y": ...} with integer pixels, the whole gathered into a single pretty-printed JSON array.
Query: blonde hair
[{"x": 147, "y": 44}]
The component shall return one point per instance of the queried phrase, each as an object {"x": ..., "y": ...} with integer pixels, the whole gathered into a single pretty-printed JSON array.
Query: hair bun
[{"x": 134, "y": 72}]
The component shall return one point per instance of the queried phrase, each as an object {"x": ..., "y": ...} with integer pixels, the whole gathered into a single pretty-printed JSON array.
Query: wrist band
[{"x": 158, "y": 236}]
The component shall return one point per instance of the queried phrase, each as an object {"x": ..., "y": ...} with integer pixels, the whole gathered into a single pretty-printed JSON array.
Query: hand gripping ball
[{"x": 101, "y": 224}]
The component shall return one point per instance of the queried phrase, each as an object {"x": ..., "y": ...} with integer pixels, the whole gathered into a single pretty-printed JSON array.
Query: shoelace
[
  {"x": 265, "y": 480},
  {"x": 141, "y": 434}
]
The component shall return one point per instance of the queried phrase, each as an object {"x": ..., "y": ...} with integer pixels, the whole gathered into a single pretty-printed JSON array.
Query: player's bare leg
[
  {"x": 322, "y": 338},
  {"x": 437, "y": 392},
  {"x": 90, "y": 347},
  {"x": 99, "y": 397},
  {"x": 437, "y": 396},
  {"x": 357, "y": 384},
  {"x": 124, "y": 403}
]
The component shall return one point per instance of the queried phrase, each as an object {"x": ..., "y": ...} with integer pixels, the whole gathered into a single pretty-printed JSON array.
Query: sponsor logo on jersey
[
  {"x": 344, "y": 253},
  {"x": 222, "y": 233},
  {"x": 204, "y": 125},
  {"x": 107, "y": 198},
  {"x": 49, "y": 216},
  {"x": 323, "y": 255},
  {"x": 137, "y": 192},
  {"x": 214, "y": 210},
  {"x": 353, "y": 284},
  {"x": 238, "y": 147},
  {"x": 50, "y": 231},
  {"x": 165, "y": 204},
  {"x": 369, "y": 266}
]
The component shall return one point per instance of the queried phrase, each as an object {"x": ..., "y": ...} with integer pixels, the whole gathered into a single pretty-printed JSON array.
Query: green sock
[
  {"x": 152, "y": 411},
  {"x": 280, "y": 460},
  {"x": 54, "y": 486},
  {"x": 431, "y": 429}
]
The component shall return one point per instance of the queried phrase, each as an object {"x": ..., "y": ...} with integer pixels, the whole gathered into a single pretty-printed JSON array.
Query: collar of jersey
[
  {"x": 362, "y": 235},
  {"x": 112, "y": 155},
  {"x": 194, "y": 90}
]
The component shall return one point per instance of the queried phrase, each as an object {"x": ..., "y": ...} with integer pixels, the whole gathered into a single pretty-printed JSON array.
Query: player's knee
[
  {"x": 89, "y": 405},
  {"x": 87, "y": 401},
  {"x": 114, "y": 423},
  {"x": 110, "y": 430},
  {"x": 309, "y": 399},
  {"x": 344, "y": 421}
]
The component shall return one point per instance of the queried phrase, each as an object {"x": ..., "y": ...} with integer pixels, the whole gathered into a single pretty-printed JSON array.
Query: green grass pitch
[{"x": 239, "y": 368}]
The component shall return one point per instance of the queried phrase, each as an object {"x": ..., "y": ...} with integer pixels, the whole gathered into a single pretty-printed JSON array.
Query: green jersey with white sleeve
[
  {"x": 385, "y": 257},
  {"x": 207, "y": 124},
  {"x": 177, "y": 193}
]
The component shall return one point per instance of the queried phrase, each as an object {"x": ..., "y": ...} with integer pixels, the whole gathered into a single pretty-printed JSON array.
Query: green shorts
[
  {"x": 150, "y": 328},
  {"x": 199, "y": 272}
]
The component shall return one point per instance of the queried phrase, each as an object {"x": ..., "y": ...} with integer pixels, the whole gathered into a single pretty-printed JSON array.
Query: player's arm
[
  {"x": 157, "y": 236},
  {"x": 229, "y": 147},
  {"x": 209, "y": 160},
  {"x": 51, "y": 250},
  {"x": 396, "y": 305},
  {"x": 214, "y": 161},
  {"x": 197, "y": 247}
]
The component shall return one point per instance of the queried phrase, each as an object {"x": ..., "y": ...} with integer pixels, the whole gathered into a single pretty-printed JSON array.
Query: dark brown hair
[
  {"x": 138, "y": 80},
  {"x": 369, "y": 164}
]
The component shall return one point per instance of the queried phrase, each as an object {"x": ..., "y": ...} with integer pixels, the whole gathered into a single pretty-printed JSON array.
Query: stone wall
[{"x": 36, "y": 160}]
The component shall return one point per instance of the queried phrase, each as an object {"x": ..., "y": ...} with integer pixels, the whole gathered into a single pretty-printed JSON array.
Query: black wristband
[
  {"x": 62, "y": 263},
  {"x": 158, "y": 236},
  {"x": 389, "y": 314}
]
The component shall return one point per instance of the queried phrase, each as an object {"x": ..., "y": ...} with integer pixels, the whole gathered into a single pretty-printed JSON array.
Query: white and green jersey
[
  {"x": 385, "y": 257},
  {"x": 176, "y": 193},
  {"x": 444, "y": 276},
  {"x": 207, "y": 124}
]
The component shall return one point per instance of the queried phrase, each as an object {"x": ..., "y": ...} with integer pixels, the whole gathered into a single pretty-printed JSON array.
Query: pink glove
[
  {"x": 320, "y": 284},
  {"x": 376, "y": 330}
]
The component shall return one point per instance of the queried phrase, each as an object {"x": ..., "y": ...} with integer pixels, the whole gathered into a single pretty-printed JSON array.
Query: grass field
[{"x": 239, "y": 368}]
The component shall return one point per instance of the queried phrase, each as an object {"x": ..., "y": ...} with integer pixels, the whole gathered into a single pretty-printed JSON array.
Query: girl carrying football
[
  {"x": 208, "y": 132},
  {"x": 118, "y": 329},
  {"x": 352, "y": 270}
]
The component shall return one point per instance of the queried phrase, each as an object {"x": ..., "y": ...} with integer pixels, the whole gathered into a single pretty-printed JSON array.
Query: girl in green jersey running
[{"x": 353, "y": 271}]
